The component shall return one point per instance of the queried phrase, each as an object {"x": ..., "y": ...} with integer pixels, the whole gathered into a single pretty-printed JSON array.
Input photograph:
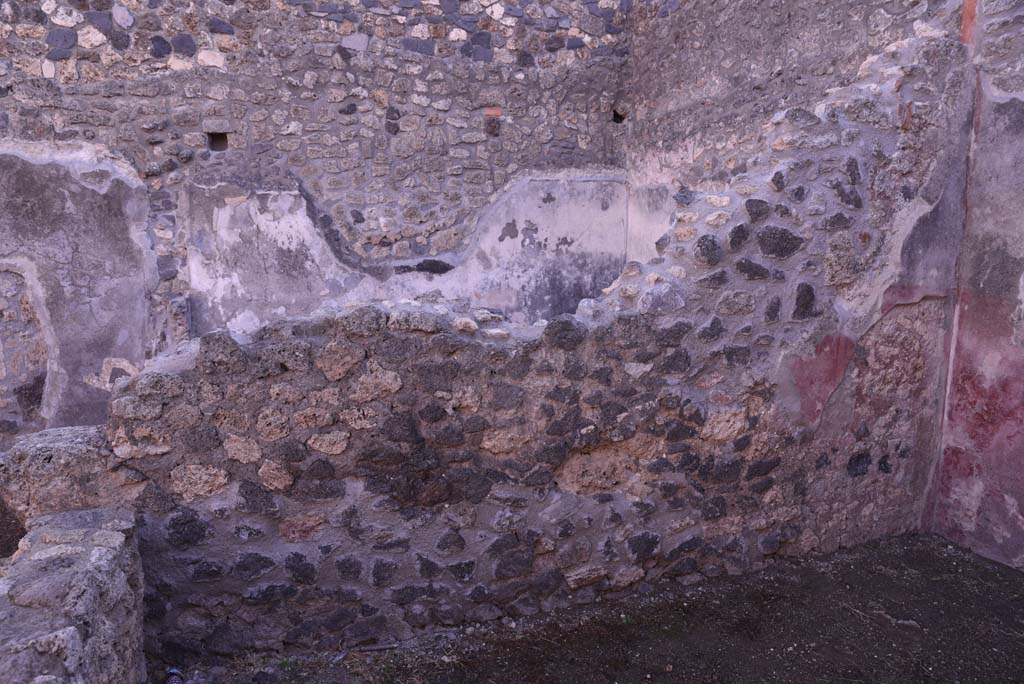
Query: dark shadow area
[
  {"x": 217, "y": 142},
  {"x": 906, "y": 610},
  {"x": 11, "y": 531}
]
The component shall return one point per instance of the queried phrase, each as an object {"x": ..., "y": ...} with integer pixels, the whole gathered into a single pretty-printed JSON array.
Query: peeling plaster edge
[
  {"x": 485, "y": 215},
  {"x": 56, "y": 376},
  {"x": 79, "y": 158},
  {"x": 926, "y": 520}
]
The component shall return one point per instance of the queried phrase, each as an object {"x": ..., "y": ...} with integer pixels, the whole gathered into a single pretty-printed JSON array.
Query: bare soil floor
[{"x": 911, "y": 609}]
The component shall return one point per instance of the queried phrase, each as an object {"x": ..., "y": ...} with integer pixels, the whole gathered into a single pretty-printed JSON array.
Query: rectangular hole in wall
[{"x": 217, "y": 142}]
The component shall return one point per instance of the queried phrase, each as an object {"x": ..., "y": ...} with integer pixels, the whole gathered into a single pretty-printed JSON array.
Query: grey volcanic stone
[{"x": 778, "y": 242}]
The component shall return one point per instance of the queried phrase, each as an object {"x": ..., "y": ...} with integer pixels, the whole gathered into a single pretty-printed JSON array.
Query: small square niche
[{"x": 217, "y": 142}]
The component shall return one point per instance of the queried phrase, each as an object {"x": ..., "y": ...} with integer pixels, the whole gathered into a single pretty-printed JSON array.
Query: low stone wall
[
  {"x": 71, "y": 602},
  {"x": 348, "y": 479}
]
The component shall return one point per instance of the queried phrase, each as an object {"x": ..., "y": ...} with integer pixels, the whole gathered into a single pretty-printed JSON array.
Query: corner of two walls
[
  {"x": 771, "y": 383},
  {"x": 977, "y": 495},
  {"x": 772, "y": 380},
  {"x": 892, "y": 268}
]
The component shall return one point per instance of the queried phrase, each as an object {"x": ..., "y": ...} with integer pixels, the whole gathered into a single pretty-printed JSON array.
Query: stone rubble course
[
  {"x": 71, "y": 602},
  {"x": 346, "y": 480}
]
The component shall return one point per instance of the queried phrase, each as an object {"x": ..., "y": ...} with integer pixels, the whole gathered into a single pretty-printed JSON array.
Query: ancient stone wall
[
  {"x": 766, "y": 385},
  {"x": 71, "y": 602},
  {"x": 380, "y": 127},
  {"x": 77, "y": 271},
  {"x": 658, "y": 306},
  {"x": 349, "y": 479}
]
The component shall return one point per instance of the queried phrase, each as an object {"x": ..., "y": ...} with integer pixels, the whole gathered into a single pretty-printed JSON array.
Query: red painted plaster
[{"x": 816, "y": 377}]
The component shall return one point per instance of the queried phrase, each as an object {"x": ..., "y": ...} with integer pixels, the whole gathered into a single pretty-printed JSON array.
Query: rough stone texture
[
  {"x": 745, "y": 260},
  {"x": 63, "y": 469},
  {"x": 438, "y": 476},
  {"x": 71, "y": 602},
  {"x": 11, "y": 530},
  {"x": 389, "y": 125},
  {"x": 24, "y": 358}
]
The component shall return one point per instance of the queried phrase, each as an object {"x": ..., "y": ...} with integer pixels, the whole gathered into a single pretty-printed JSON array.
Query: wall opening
[{"x": 217, "y": 142}]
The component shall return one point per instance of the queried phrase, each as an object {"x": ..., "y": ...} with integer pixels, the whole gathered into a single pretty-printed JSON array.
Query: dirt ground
[{"x": 907, "y": 610}]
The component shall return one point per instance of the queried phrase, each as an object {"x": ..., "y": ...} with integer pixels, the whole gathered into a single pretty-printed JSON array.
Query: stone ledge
[{"x": 63, "y": 469}]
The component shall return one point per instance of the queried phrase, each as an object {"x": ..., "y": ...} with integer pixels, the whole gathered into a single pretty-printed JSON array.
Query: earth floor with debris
[{"x": 910, "y": 609}]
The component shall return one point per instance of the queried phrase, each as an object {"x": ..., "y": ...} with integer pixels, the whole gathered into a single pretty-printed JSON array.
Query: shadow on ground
[{"x": 907, "y": 610}]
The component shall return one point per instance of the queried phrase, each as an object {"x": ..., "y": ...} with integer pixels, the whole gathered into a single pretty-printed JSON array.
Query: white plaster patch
[
  {"x": 968, "y": 494},
  {"x": 1017, "y": 318},
  {"x": 216, "y": 286},
  {"x": 991, "y": 366},
  {"x": 82, "y": 159},
  {"x": 284, "y": 220},
  {"x": 1016, "y": 519},
  {"x": 244, "y": 323}
]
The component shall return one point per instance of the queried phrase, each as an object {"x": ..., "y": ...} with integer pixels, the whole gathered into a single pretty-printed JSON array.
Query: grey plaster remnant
[
  {"x": 74, "y": 228},
  {"x": 355, "y": 41}
]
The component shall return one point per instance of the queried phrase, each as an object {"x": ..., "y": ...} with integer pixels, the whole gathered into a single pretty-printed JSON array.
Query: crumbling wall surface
[
  {"x": 64, "y": 469},
  {"x": 861, "y": 172},
  {"x": 390, "y": 124},
  {"x": 704, "y": 78},
  {"x": 349, "y": 480},
  {"x": 71, "y": 602},
  {"x": 24, "y": 358},
  {"x": 545, "y": 243},
  {"x": 77, "y": 269},
  {"x": 11, "y": 530},
  {"x": 771, "y": 383},
  {"x": 978, "y": 495}
]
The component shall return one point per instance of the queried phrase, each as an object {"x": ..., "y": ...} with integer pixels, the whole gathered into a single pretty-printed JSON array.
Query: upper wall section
[
  {"x": 396, "y": 119},
  {"x": 543, "y": 244},
  {"x": 706, "y": 78}
]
